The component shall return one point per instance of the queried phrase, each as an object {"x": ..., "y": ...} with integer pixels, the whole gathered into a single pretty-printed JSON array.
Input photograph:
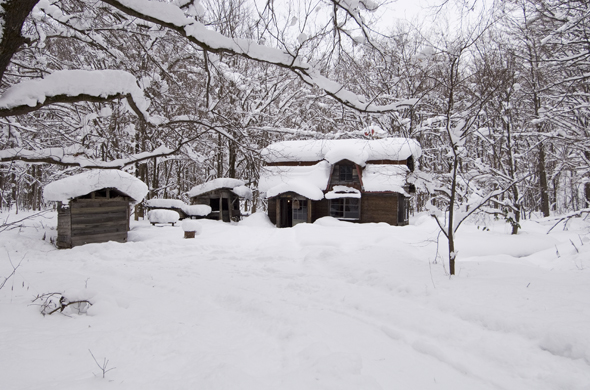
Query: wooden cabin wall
[
  {"x": 379, "y": 208},
  {"x": 99, "y": 220},
  {"x": 64, "y": 227},
  {"x": 231, "y": 211},
  {"x": 200, "y": 200},
  {"x": 320, "y": 209},
  {"x": 272, "y": 210}
]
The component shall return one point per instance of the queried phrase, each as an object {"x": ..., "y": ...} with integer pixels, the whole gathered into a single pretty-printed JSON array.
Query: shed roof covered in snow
[
  {"x": 84, "y": 183},
  {"x": 235, "y": 185},
  {"x": 359, "y": 151},
  {"x": 199, "y": 210}
]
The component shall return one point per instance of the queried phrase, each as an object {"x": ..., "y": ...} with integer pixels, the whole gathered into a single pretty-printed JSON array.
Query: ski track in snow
[{"x": 322, "y": 306}]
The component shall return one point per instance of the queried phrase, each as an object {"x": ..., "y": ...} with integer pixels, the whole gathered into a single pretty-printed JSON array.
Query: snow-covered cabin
[
  {"x": 223, "y": 195},
  {"x": 94, "y": 206},
  {"x": 350, "y": 179}
]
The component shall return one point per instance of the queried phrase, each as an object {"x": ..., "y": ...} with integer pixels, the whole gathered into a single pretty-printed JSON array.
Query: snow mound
[
  {"x": 84, "y": 183},
  {"x": 258, "y": 219},
  {"x": 331, "y": 221},
  {"x": 190, "y": 225},
  {"x": 196, "y": 210},
  {"x": 163, "y": 216}
]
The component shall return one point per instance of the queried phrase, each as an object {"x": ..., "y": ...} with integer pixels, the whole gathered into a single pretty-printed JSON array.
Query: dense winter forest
[{"x": 178, "y": 92}]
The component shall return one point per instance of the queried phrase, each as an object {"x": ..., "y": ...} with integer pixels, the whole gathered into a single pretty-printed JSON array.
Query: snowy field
[{"x": 328, "y": 305}]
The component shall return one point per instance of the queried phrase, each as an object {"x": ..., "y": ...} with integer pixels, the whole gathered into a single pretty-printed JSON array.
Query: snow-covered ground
[{"x": 328, "y": 305}]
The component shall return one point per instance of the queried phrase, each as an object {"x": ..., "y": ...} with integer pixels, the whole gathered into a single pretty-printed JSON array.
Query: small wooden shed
[
  {"x": 94, "y": 206},
  {"x": 223, "y": 195}
]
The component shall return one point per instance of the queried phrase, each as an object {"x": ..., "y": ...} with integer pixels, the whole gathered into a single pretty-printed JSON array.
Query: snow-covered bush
[
  {"x": 163, "y": 216},
  {"x": 55, "y": 302}
]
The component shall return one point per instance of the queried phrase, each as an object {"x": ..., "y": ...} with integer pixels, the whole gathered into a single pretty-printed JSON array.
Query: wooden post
[
  {"x": 309, "y": 211},
  {"x": 230, "y": 206},
  {"x": 278, "y": 210},
  {"x": 220, "y": 207}
]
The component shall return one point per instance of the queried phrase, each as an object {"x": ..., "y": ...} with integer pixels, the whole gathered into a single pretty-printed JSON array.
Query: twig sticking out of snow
[
  {"x": 13, "y": 269},
  {"x": 577, "y": 251},
  {"x": 569, "y": 216},
  {"x": 104, "y": 365}
]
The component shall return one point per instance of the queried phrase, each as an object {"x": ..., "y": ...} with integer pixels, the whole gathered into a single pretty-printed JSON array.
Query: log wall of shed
[
  {"x": 93, "y": 220},
  {"x": 64, "y": 227}
]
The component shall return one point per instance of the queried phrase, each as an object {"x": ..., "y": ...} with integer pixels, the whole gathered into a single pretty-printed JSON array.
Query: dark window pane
[
  {"x": 345, "y": 208},
  {"x": 352, "y": 208},
  {"x": 345, "y": 172},
  {"x": 337, "y": 208}
]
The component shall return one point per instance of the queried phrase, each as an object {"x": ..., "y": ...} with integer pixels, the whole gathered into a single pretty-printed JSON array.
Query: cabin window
[
  {"x": 345, "y": 173},
  {"x": 345, "y": 208},
  {"x": 299, "y": 211}
]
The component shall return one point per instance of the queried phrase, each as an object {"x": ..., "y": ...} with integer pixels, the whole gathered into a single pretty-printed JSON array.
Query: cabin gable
[{"x": 345, "y": 173}]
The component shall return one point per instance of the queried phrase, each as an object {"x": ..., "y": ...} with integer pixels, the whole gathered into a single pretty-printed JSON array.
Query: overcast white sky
[{"x": 425, "y": 12}]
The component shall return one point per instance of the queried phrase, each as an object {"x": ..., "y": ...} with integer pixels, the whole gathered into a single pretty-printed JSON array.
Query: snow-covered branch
[
  {"x": 70, "y": 86},
  {"x": 75, "y": 156},
  {"x": 172, "y": 17}
]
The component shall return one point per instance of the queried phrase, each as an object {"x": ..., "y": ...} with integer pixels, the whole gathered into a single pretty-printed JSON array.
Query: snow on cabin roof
[
  {"x": 312, "y": 181},
  {"x": 309, "y": 181},
  {"x": 358, "y": 151},
  {"x": 84, "y": 183},
  {"x": 343, "y": 192},
  {"x": 236, "y": 185},
  {"x": 385, "y": 178}
]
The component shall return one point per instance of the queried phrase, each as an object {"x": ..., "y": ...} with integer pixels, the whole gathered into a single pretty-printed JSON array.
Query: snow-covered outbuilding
[
  {"x": 350, "y": 179},
  {"x": 223, "y": 195},
  {"x": 184, "y": 210},
  {"x": 94, "y": 206}
]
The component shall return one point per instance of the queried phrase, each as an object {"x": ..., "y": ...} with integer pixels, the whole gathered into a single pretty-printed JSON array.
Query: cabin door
[{"x": 286, "y": 216}]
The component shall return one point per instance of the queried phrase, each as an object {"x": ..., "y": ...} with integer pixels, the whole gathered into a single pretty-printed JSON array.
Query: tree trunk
[
  {"x": 543, "y": 182},
  {"x": 450, "y": 230},
  {"x": 13, "y": 14}
]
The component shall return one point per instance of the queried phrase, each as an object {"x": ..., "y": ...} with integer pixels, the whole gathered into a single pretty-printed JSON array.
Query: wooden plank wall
[
  {"x": 99, "y": 220},
  {"x": 320, "y": 209},
  {"x": 379, "y": 208},
  {"x": 272, "y": 210},
  {"x": 64, "y": 227}
]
